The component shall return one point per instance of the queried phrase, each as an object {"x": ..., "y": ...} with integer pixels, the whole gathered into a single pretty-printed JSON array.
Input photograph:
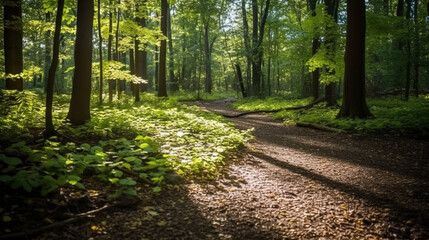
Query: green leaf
[
  {"x": 13, "y": 161},
  {"x": 130, "y": 192},
  {"x": 113, "y": 180},
  {"x": 5, "y": 178},
  {"x": 153, "y": 213},
  {"x": 117, "y": 173},
  {"x": 130, "y": 159},
  {"x": 127, "y": 182},
  {"x": 156, "y": 189},
  {"x": 85, "y": 146},
  {"x": 144, "y": 145},
  {"x": 73, "y": 179}
]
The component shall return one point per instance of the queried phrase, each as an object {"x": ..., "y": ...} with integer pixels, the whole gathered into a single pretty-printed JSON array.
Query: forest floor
[{"x": 289, "y": 183}]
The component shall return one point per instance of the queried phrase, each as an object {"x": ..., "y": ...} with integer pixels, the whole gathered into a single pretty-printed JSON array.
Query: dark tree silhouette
[
  {"x": 354, "y": 100},
  {"x": 79, "y": 111},
  {"x": 49, "y": 126},
  {"x": 13, "y": 44}
]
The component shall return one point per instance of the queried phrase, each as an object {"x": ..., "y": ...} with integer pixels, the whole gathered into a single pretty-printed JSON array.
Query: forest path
[
  {"x": 290, "y": 183},
  {"x": 304, "y": 183}
]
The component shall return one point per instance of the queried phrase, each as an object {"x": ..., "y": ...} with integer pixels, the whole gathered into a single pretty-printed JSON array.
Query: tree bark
[
  {"x": 49, "y": 126},
  {"x": 48, "y": 48},
  {"x": 315, "y": 75},
  {"x": 408, "y": 44},
  {"x": 109, "y": 49},
  {"x": 416, "y": 49},
  {"x": 100, "y": 52},
  {"x": 174, "y": 85},
  {"x": 79, "y": 111},
  {"x": 248, "y": 51},
  {"x": 116, "y": 56},
  {"x": 162, "y": 85},
  {"x": 354, "y": 100},
  {"x": 13, "y": 44},
  {"x": 240, "y": 80},
  {"x": 208, "y": 81}
]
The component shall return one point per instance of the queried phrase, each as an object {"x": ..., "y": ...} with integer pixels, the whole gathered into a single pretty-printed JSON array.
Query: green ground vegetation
[
  {"x": 393, "y": 116},
  {"x": 124, "y": 143}
]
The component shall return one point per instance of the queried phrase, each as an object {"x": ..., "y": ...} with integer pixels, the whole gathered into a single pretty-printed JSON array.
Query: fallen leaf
[
  {"x": 95, "y": 228},
  {"x": 7, "y": 218},
  {"x": 223, "y": 200},
  {"x": 343, "y": 207},
  {"x": 153, "y": 213},
  {"x": 161, "y": 223}
]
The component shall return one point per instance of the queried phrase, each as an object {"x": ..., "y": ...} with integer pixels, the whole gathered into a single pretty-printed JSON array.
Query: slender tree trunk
[
  {"x": 331, "y": 47},
  {"x": 79, "y": 111},
  {"x": 354, "y": 100},
  {"x": 416, "y": 49},
  {"x": 48, "y": 48},
  {"x": 118, "y": 16},
  {"x": 174, "y": 86},
  {"x": 138, "y": 68},
  {"x": 156, "y": 67},
  {"x": 256, "y": 77},
  {"x": 162, "y": 85},
  {"x": 49, "y": 126},
  {"x": 408, "y": 44},
  {"x": 240, "y": 80},
  {"x": 247, "y": 48},
  {"x": 13, "y": 44},
  {"x": 208, "y": 80},
  {"x": 100, "y": 52},
  {"x": 269, "y": 76},
  {"x": 315, "y": 47},
  {"x": 109, "y": 49}
]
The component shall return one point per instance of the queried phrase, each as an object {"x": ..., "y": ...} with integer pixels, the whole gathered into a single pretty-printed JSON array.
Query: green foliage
[
  {"x": 392, "y": 115},
  {"x": 124, "y": 143}
]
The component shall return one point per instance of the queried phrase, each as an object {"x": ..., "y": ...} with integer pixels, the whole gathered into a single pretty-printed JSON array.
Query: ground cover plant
[
  {"x": 154, "y": 143},
  {"x": 391, "y": 115}
]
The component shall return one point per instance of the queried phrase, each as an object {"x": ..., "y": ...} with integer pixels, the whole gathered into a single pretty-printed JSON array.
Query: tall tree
[
  {"x": 354, "y": 100},
  {"x": 49, "y": 126},
  {"x": 257, "y": 39},
  {"x": 315, "y": 47},
  {"x": 247, "y": 48},
  {"x": 408, "y": 46},
  {"x": 79, "y": 111},
  {"x": 100, "y": 52},
  {"x": 162, "y": 84},
  {"x": 331, "y": 47},
  {"x": 48, "y": 49},
  {"x": 416, "y": 49},
  {"x": 174, "y": 84},
  {"x": 109, "y": 48},
  {"x": 13, "y": 44}
]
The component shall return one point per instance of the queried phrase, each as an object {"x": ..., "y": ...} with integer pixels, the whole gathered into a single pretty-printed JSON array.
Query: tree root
[
  {"x": 275, "y": 110},
  {"x": 318, "y": 127}
]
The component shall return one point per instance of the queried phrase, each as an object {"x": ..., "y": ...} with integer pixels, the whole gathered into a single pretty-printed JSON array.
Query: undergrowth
[
  {"x": 123, "y": 143},
  {"x": 393, "y": 116}
]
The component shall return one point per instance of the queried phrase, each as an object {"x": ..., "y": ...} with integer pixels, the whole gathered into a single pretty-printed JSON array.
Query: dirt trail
[
  {"x": 306, "y": 183},
  {"x": 292, "y": 183}
]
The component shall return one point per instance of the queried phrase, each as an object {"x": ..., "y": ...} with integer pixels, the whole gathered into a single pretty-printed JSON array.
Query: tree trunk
[
  {"x": 331, "y": 47},
  {"x": 208, "y": 81},
  {"x": 248, "y": 51},
  {"x": 79, "y": 111},
  {"x": 408, "y": 43},
  {"x": 109, "y": 49},
  {"x": 354, "y": 100},
  {"x": 162, "y": 85},
  {"x": 116, "y": 56},
  {"x": 174, "y": 86},
  {"x": 315, "y": 75},
  {"x": 240, "y": 80},
  {"x": 256, "y": 77},
  {"x": 13, "y": 44},
  {"x": 100, "y": 52},
  {"x": 156, "y": 67},
  {"x": 47, "y": 52},
  {"x": 416, "y": 49},
  {"x": 49, "y": 126}
]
